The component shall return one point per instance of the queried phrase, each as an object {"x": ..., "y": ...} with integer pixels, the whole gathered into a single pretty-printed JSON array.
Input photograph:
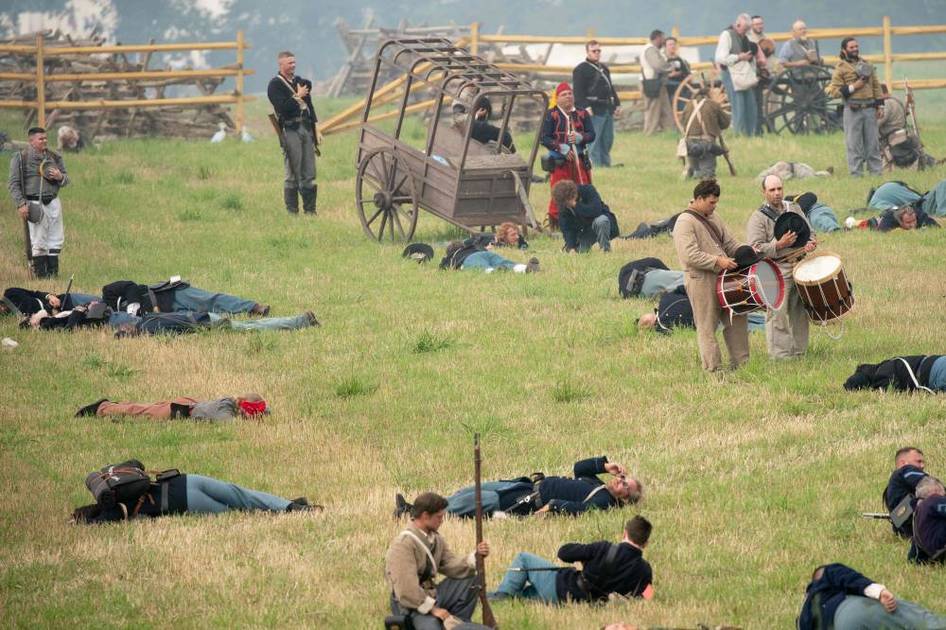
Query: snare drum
[
  {"x": 823, "y": 288},
  {"x": 753, "y": 288}
]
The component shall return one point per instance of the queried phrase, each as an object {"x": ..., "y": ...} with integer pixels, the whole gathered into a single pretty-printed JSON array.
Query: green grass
[{"x": 752, "y": 478}]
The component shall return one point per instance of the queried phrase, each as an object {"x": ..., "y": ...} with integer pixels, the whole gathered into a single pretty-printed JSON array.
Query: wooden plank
[
  {"x": 131, "y": 104},
  {"x": 40, "y": 84},
  {"x": 61, "y": 51},
  {"x": 128, "y": 76}
]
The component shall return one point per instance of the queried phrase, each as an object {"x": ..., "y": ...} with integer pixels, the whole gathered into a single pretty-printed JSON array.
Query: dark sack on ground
[{"x": 118, "y": 483}]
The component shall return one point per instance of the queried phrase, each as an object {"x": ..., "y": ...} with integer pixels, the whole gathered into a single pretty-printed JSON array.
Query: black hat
[
  {"x": 421, "y": 252},
  {"x": 746, "y": 256},
  {"x": 806, "y": 201},
  {"x": 34, "y": 130},
  {"x": 793, "y": 222}
]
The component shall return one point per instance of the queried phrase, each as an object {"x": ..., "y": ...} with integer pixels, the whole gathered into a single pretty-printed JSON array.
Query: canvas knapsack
[{"x": 118, "y": 483}]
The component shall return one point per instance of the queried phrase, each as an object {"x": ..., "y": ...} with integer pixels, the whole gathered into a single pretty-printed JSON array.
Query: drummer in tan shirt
[
  {"x": 786, "y": 329},
  {"x": 705, "y": 247}
]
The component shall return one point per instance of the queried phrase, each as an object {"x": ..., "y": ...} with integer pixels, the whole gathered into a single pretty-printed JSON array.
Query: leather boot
[
  {"x": 52, "y": 266},
  {"x": 39, "y": 266},
  {"x": 291, "y": 197},
  {"x": 309, "y": 198}
]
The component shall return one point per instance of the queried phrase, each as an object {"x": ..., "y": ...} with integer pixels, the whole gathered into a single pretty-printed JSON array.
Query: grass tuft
[
  {"x": 232, "y": 202},
  {"x": 204, "y": 172},
  {"x": 429, "y": 342},
  {"x": 355, "y": 386},
  {"x": 566, "y": 391},
  {"x": 124, "y": 177},
  {"x": 189, "y": 215}
]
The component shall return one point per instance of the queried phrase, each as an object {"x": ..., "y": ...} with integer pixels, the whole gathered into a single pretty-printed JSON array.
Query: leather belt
[
  {"x": 45, "y": 200},
  {"x": 855, "y": 107}
]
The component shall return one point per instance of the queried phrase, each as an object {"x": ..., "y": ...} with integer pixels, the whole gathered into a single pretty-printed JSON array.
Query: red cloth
[
  {"x": 563, "y": 87},
  {"x": 568, "y": 170},
  {"x": 252, "y": 407}
]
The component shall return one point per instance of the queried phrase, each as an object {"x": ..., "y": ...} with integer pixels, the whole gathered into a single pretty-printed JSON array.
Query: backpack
[{"x": 124, "y": 483}]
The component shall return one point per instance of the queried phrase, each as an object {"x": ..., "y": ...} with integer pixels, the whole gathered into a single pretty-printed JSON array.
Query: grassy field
[{"x": 752, "y": 478}]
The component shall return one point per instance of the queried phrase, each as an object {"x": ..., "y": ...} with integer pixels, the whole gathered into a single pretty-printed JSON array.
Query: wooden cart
[{"x": 451, "y": 175}]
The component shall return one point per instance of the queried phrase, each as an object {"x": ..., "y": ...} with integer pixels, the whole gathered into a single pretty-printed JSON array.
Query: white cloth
[
  {"x": 48, "y": 234},
  {"x": 874, "y": 590},
  {"x": 723, "y": 57}
]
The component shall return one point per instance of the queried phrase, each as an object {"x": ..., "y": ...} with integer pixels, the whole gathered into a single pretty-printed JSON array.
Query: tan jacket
[
  {"x": 894, "y": 119},
  {"x": 844, "y": 75},
  {"x": 696, "y": 247},
  {"x": 406, "y": 563},
  {"x": 760, "y": 232},
  {"x": 715, "y": 119}
]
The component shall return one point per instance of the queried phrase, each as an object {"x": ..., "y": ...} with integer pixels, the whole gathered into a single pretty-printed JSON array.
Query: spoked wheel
[
  {"x": 385, "y": 196},
  {"x": 796, "y": 102},
  {"x": 689, "y": 88}
]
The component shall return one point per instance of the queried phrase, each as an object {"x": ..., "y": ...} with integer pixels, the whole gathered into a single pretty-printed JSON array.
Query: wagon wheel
[
  {"x": 688, "y": 89},
  {"x": 796, "y": 102},
  {"x": 385, "y": 196}
]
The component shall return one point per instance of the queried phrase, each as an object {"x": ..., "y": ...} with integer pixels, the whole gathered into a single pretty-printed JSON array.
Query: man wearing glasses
[{"x": 594, "y": 92}]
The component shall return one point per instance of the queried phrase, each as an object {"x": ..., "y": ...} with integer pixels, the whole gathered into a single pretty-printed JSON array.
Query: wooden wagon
[{"x": 444, "y": 170}]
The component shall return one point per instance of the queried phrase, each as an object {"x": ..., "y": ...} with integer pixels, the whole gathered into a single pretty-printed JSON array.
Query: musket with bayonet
[
  {"x": 488, "y": 618},
  {"x": 911, "y": 111}
]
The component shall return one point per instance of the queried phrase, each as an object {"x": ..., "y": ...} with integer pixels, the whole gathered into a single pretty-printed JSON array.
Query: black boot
[
  {"x": 309, "y": 198},
  {"x": 40, "y": 266},
  {"x": 291, "y": 197},
  {"x": 52, "y": 266}
]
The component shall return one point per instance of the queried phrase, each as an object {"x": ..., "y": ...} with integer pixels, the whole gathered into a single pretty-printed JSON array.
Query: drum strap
[
  {"x": 710, "y": 227},
  {"x": 913, "y": 378},
  {"x": 769, "y": 212}
]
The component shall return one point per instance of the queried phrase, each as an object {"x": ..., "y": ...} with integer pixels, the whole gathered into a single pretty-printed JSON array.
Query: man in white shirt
[{"x": 734, "y": 48}]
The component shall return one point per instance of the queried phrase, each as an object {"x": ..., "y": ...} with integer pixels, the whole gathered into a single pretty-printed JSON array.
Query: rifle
[
  {"x": 911, "y": 111},
  {"x": 488, "y": 618},
  {"x": 722, "y": 145},
  {"x": 880, "y": 516},
  {"x": 28, "y": 242},
  {"x": 274, "y": 121}
]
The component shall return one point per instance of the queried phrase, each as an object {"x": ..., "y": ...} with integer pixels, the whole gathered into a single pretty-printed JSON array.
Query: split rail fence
[{"x": 107, "y": 80}]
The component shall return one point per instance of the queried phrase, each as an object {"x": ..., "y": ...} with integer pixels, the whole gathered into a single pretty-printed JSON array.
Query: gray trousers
[
  {"x": 862, "y": 141},
  {"x": 300, "y": 158},
  {"x": 599, "y": 233},
  {"x": 703, "y": 167},
  {"x": 657, "y": 280},
  {"x": 862, "y": 613},
  {"x": 456, "y": 596},
  {"x": 786, "y": 330}
]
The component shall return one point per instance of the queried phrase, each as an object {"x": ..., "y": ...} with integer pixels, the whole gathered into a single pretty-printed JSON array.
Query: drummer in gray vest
[
  {"x": 786, "y": 329},
  {"x": 36, "y": 175}
]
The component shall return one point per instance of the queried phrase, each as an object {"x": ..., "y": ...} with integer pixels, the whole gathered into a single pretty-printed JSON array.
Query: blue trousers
[
  {"x": 200, "y": 301},
  {"x": 890, "y": 194},
  {"x": 938, "y": 375},
  {"x": 266, "y": 323},
  {"x": 863, "y": 613},
  {"x": 657, "y": 280},
  {"x": 463, "y": 502},
  {"x": 744, "y": 110},
  {"x": 207, "y": 495},
  {"x": 486, "y": 260},
  {"x": 78, "y": 299},
  {"x": 600, "y": 149},
  {"x": 823, "y": 219},
  {"x": 530, "y": 584},
  {"x": 599, "y": 233}
]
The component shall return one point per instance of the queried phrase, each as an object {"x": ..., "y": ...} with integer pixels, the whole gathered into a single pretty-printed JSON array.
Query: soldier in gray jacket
[{"x": 36, "y": 175}]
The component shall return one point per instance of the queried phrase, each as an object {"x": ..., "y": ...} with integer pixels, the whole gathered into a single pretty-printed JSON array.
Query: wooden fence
[
  {"x": 40, "y": 77},
  {"x": 886, "y": 31}
]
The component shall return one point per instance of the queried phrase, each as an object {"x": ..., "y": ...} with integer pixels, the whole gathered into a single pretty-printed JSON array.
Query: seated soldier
[
  {"x": 899, "y": 145},
  {"x": 187, "y": 494},
  {"x": 606, "y": 568},
  {"x": 559, "y": 495},
  {"x": 907, "y": 373},
  {"x": 910, "y": 465},
  {"x": 246, "y": 406},
  {"x": 23, "y": 302},
  {"x": 471, "y": 255},
  {"x": 839, "y": 597},
  {"x": 929, "y": 522},
  {"x": 173, "y": 296},
  {"x": 484, "y": 131},
  {"x": 126, "y": 325},
  {"x": 905, "y": 217},
  {"x": 583, "y": 217},
  {"x": 415, "y": 558}
]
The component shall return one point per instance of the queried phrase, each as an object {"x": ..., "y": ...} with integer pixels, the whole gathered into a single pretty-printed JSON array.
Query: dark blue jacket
[
  {"x": 281, "y": 97},
  {"x": 554, "y": 127},
  {"x": 823, "y": 596},
  {"x": 674, "y": 310},
  {"x": 902, "y": 483},
  {"x": 629, "y": 575},
  {"x": 574, "y": 222},
  {"x": 567, "y": 496}
]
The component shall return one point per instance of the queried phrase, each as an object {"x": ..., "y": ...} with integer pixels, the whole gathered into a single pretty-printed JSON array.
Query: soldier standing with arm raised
[{"x": 292, "y": 101}]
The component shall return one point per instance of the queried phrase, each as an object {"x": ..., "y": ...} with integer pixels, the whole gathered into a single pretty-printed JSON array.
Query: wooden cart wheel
[
  {"x": 796, "y": 101},
  {"x": 688, "y": 89},
  {"x": 386, "y": 196}
]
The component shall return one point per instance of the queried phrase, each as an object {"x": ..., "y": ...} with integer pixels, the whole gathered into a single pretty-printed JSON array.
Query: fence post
[
  {"x": 40, "y": 82},
  {"x": 475, "y": 38},
  {"x": 888, "y": 55},
  {"x": 240, "y": 106},
  {"x": 675, "y": 31}
]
